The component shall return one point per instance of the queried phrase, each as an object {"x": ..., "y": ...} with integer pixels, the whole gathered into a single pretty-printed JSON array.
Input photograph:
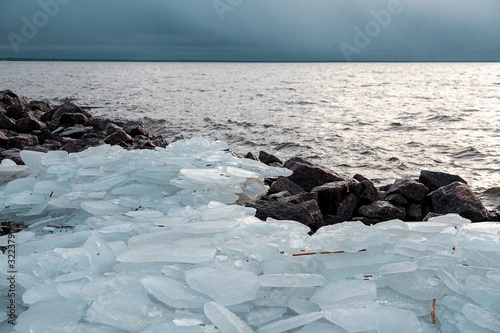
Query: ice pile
[{"x": 153, "y": 241}]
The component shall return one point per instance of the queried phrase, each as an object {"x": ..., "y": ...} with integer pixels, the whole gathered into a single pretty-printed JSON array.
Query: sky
[{"x": 251, "y": 30}]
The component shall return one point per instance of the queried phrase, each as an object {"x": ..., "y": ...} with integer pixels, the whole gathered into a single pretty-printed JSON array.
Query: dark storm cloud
[{"x": 279, "y": 30}]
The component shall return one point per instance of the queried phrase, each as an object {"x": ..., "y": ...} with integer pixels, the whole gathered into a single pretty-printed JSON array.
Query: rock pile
[
  {"x": 317, "y": 196},
  {"x": 38, "y": 126}
]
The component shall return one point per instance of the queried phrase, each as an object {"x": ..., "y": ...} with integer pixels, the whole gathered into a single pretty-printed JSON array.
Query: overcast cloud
[{"x": 251, "y": 30}]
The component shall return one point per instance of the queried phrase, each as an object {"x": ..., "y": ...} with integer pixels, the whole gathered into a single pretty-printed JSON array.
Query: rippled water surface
[{"x": 383, "y": 120}]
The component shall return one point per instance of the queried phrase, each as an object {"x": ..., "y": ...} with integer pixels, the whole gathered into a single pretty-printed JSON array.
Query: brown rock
[
  {"x": 347, "y": 207},
  {"x": 382, "y": 210},
  {"x": 301, "y": 197},
  {"x": 267, "y": 158},
  {"x": 6, "y": 122},
  {"x": 284, "y": 184},
  {"x": 458, "y": 198},
  {"x": 7, "y": 97},
  {"x": 112, "y": 128},
  {"x": 118, "y": 137},
  {"x": 22, "y": 140},
  {"x": 13, "y": 154},
  {"x": 68, "y": 107},
  {"x": 77, "y": 131},
  {"x": 16, "y": 112},
  {"x": 308, "y": 175},
  {"x": 71, "y": 119},
  {"x": 277, "y": 196},
  {"x": 313, "y": 208},
  {"x": 3, "y": 139},
  {"x": 330, "y": 196},
  {"x": 282, "y": 211},
  {"x": 434, "y": 180},
  {"x": 134, "y": 128},
  {"x": 251, "y": 156},
  {"x": 39, "y": 106},
  {"x": 414, "y": 212},
  {"x": 28, "y": 124},
  {"x": 408, "y": 188}
]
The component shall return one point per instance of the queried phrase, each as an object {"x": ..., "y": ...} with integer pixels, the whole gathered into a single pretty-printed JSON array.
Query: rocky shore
[{"x": 313, "y": 194}]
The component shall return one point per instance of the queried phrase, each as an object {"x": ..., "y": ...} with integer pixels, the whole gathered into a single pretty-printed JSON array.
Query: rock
[
  {"x": 13, "y": 154},
  {"x": 2, "y": 110},
  {"x": 72, "y": 148},
  {"x": 39, "y": 106},
  {"x": 7, "y": 97},
  {"x": 495, "y": 214},
  {"x": 414, "y": 212},
  {"x": 72, "y": 119},
  {"x": 458, "y": 198},
  {"x": 158, "y": 141},
  {"x": 277, "y": 196},
  {"x": 3, "y": 139},
  {"x": 251, "y": 156},
  {"x": 330, "y": 196},
  {"x": 284, "y": 184},
  {"x": 16, "y": 112},
  {"x": 112, "y": 128},
  {"x": 365, "y": 190},
  {"x": 68, "y": 107},
  {"x": 28, "y": 124},
  {"x": 366, "y": 220},
  {"x": 6, "y": 122},
  {"x": 384, "y": 188},
  {"x": 98, "y": 124},
  {"x": 331, "y": 219},
  {"x": 430, "y": 215},
  {"x": 434, "y": 180},
  {"x": 313, "y": 208},
  {"x": 89, "y": 142},
  {"x": 408, "y": 188},
  {"x": 134, "y": 128},
  {"x": 360, "y": 178},
  {"x": 382, "y": 210},
  {"x": 46, "y": 134},
  {"x": 118, "y": 137},
  {"x": 52, "y": 145},
  {"x": 22, "y": 140},
  {"x": 308, "y": 175},
  {"x": 301, "y": 197},
  {"x": 77, "y": 131},
  {"x": 347, "y": 207},
  {"x": 282, "y": 211},
  {"x": 396, "y": 198},
  {"x": 37, "y": 148},
  {"x": 267, "y": 158}
]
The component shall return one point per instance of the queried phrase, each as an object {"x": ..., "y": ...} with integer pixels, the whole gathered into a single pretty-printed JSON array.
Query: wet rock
[
  {"x": 366, "y": 220},
  {"x": 38, "y": 148},
  {"x": 396, "y": 198},
  {"x": 72, "y": 148},
  {"x": 332, "y": 219},
  {"x": 382, "y": 210},
  {"x": 495, "y": 214},
  {"x": 134, "y": 128},
  {"x": 458, "y": 198},
  {"x": 22, "y": 140},
  {"x": 284, "y": 184},
  {"x": 159, "y": 141},
  {"x": 6, "y": 122},
  {"x": 52, "y": 144},
  {"x": 347, "y": 207},
  {"x": 330, "y": 196},
  {"x": 2, "y": 110},
  {"x": 118, "y": 137},
  {"x": 282, "y": 211},
  {"x": 308, "y": 175},
  {"x": 267, "y": 158},
  {"x": 3, "y": 139},
  {"x": 28, "y": 124},
  {"x": 16, "y": 112},
  {"x": 71, "y": 119},
  {"x": 251, "y": 156},
  {"x": 312, "y": 207},
  {"x": 408, "y": 188},
  {"x": 301, "y": 197},
  {"x": 384, "y": 188},
  {"x": 13, "y": 154},
  {"x": 434, "y": 180},
  {"x": 98, "y": 124},
  {"x": 77, "y": 131},
  {"x": 414, "y": 212}
]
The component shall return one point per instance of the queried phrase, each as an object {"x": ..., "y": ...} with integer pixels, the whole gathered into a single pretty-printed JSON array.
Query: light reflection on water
[{"x": 384, "y": 120}]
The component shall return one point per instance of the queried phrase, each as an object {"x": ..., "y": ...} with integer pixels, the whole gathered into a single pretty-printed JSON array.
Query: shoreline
[{"x": 313, "y": 195}]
